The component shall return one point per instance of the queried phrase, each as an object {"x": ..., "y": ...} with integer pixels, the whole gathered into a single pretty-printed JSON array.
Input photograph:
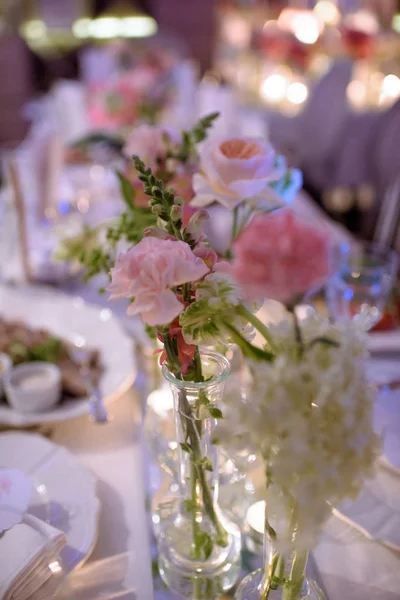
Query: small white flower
[{"x": 310, "y": 418}]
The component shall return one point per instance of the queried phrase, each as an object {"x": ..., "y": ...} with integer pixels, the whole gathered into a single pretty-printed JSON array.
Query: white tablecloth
[
  {"x": 348, "y": 566},
  {"x": 351, "y": 567},
  {"x": 114, "y": 454}
]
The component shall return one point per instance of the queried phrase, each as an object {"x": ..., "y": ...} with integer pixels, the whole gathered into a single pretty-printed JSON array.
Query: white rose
[{"x": 237, "y": 169}]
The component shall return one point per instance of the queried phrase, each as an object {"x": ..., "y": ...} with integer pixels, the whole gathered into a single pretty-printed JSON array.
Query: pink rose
[
  {"x": 150, "y": 143},
  {"x": 280, "y": 257},
  {"x": 147, "y": 273},
  {"x": 237, "y": 169}
]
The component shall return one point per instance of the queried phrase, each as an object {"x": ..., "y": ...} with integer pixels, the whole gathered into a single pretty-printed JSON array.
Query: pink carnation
[
  {"x": 147, "y": 273},
  {"x": 280, "y": 257}
]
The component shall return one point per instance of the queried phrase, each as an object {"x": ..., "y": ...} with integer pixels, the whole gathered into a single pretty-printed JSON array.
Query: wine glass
[{"x": 361, "y": 283}]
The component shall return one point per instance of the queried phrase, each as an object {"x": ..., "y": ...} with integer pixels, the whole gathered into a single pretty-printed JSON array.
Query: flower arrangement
[
  {"x": 134, "y": 96},
  {"x": 308, "y": 415},
  {"x": 307, "y": 409},
  {"x": 172, "y": 157},
  {"x": 173, "y": 280},
  {"x": 175, "y": 161}
]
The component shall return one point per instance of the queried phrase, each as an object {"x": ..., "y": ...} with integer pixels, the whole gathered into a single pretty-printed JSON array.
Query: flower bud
[
  {"x": 171, "y": 164},
  {"x": 176, "y": 213},
  {"x": 157, "y": 209},
  {"x": 179, "y": 201}
]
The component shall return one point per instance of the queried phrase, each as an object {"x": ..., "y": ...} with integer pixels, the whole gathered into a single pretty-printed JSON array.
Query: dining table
[{"x": 348, "y": 563}]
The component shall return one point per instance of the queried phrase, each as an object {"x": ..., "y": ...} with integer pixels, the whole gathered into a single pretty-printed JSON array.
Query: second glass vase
[
  {"x": 284, "y": 574},
  {"x": 199, "y": 547}
]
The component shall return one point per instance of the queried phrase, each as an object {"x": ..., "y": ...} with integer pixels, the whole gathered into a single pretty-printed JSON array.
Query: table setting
[{"x": 217, "y": 382}]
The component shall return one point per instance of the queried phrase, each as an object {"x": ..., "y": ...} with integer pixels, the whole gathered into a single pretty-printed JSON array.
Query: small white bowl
[
  {"x": 33, "y": 387},
  {"x": 5, "y": 366}
]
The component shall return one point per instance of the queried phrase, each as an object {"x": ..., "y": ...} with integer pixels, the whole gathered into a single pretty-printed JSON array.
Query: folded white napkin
[
  {"x": 387, "y": 424},
  {"x": 28, "y": 554},
  {"x": 376, "y": 512},
  {"x": 70, "y": 106}
]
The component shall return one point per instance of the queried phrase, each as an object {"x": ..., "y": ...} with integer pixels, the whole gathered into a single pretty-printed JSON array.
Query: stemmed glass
[{"x": 361, "y": 283}]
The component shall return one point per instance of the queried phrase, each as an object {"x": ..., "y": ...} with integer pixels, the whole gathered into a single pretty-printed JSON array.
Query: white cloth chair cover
[{"x": 70, "y": 108}]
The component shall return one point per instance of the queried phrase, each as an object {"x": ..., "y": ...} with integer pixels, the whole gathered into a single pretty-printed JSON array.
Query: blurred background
[{"x": 321, "y": 78}]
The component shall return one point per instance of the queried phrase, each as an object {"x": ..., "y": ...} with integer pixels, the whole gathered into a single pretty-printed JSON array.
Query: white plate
[
  {"x": 65, "y": 493},
  {"x": 70, "y": 318},
  {"x": 384, "y": 341}
]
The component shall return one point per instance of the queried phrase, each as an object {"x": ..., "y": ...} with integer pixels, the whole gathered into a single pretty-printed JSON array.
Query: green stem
[
  {"x": 197, "y": 585},
  {"x": 196, "y": 530},
  {"x": 297, "y": 331},
  {"x": 197, "y": 365},
  {"x": 267, "y": 583},
  {"x": 234, "y": 233},
  {"x": 257, "y": 324},
  {"x": 247, "y": 348},
  {"x": 234, "y": 224},
  {"x": 194, "y": 508},
  {"x": 245, "y": 220},
  {"x": 192, "y": 435},
  {"x": 177, "y": 232},
  {"x": 292, "y": 587},
  {"x": 186, "y": 292}
]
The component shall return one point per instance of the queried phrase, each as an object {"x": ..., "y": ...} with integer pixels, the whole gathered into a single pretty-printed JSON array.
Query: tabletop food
[{"x": 24, "y": 343}]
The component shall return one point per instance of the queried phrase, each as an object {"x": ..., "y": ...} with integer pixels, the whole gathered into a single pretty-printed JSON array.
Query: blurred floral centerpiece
[{"x": 133, "y": 97}]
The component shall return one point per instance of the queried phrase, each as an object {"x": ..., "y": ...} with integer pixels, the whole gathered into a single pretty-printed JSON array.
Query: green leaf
[
  {"x": 114, "y": 142},
  {"x": 204, "y": 542},
  {"x": 248, "y": 349},
  {"x": 189, "y": 505},
  {"x": 48, "y": 351},
  {"x": 202, "y": 399},
  {"x": 208, "y": 547},
  {"x": 215, "y": 412},
  {"x": 151, "y": 332},
  {"x": 206, "y": 463},
  {"x": 199, "y": 323},
  {"x": 324, "y": 340},
  {"x": 185, "y": 447},
  {"x": 127, "y": 190}
]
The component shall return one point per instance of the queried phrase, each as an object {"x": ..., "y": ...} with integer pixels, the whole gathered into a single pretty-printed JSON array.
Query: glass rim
[
  {"x": 388, "y": 256},
  {"x": 198, "y": 385}
]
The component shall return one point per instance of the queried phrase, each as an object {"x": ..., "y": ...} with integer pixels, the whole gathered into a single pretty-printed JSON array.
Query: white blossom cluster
[{"x": 309, "y": 416}]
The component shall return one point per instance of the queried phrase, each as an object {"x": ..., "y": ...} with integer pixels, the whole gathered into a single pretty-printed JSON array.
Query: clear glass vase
[
  {"x": 284, "y": 574},
  {"x": 199, "y": 547}
]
